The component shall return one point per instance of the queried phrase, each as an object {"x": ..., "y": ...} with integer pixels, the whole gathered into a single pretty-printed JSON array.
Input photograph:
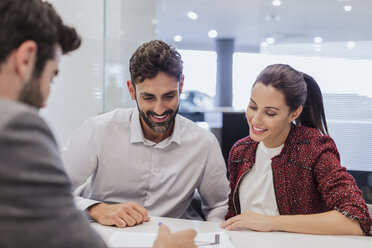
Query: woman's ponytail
[{"x": 313, "y": 114}]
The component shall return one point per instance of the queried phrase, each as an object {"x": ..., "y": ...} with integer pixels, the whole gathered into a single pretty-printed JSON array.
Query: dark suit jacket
[{"x": 36, "y": 205}]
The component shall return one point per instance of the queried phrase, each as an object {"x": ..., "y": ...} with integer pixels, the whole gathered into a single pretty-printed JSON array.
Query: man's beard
[
  {"x": 159, "y": 127},
  {"x": 31, "y": 93}
]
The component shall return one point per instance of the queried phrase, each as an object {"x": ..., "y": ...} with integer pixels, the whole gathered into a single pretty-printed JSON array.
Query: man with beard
[
  {"x": 131, "y": 163},
  {"x": 36, "y": 205}
]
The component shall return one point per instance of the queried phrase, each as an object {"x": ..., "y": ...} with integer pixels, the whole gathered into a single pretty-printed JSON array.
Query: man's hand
[
  {"x": 182, "y": 239},
  {"x": 120, "y": 215}
]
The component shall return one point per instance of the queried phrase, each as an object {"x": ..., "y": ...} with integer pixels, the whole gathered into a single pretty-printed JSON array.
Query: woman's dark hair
[
  {"x": 299, "y": 89},
  {"x": 38, "y": 21},
  {"x": 152, "y": 57}
]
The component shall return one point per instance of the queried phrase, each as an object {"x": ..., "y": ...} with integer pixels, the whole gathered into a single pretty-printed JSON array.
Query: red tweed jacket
[{"x": 307, "y": 177}]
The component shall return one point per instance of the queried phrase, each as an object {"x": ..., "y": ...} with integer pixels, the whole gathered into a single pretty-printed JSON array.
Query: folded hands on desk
[{"x": 120, "y": 215}]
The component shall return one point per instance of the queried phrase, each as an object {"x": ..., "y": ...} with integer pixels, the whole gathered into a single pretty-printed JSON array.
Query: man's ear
[
  {"x": 25, "y": 59},
  {"x": 132, "y": 90},
  {"x": 181, "y": 83},
  {"x": 295, "y": 114}
]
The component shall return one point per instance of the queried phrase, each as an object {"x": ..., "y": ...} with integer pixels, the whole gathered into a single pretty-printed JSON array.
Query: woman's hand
[
  {"x": 249, "y": 220},
  {"x": 328, "y": 223}
]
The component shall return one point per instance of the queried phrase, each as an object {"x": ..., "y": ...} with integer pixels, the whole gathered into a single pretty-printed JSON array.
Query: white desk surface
[{"x": 246, "y": 239}]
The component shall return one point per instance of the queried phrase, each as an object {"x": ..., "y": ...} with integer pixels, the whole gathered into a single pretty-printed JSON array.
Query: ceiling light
[
  {"x": 318, "y": 39},
  {"x": 212, "y": 33},
  {"x": 270, "y": 40},
  {"x": 192, "y": 15},
  {"x": 351, "y": 45},
  {"x": 347, "y": 8},
  {"x": 276, "y": 3},
  {"x": 177, "y": 38},
  {"x": 263, "y": 44}
]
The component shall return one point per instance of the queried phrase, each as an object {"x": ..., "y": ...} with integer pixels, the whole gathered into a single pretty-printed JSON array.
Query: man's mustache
[{"x": 169, "y": 111}]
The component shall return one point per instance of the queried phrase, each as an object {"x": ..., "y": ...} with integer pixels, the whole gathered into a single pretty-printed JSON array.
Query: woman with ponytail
[{"x": 286, "y": 176}]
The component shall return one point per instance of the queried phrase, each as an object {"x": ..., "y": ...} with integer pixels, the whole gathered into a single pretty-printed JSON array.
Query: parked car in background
[{"x": 193, "y": 103}]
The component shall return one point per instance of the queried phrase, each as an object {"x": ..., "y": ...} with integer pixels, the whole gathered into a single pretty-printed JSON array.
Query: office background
[{"x": 224, "y": 45}]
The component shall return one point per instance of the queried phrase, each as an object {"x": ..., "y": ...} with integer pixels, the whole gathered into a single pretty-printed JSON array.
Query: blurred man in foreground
[{"x": 37, "y": 208}]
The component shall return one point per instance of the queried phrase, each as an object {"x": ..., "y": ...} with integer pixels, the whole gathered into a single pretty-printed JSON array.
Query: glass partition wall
[
  {"x": 128, "y": 24},
  {"x": 92, "y": 80},
  {"x": 77, "y": 92}
]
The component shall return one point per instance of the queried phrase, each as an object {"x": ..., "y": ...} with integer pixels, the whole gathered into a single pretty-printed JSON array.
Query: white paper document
[{"x": 136, "y": 240}]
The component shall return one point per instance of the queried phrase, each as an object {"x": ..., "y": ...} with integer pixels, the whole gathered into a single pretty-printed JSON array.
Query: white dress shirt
[
  {"x": 256, "y": 190},
  {"x": 121, "y": 165}
]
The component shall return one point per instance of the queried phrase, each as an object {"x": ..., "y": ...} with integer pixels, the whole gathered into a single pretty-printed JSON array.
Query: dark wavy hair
[
  {"x": 22, "y": 20},
  {"x": 152, "y": 57},
  {"x": 299, "y": 89}
]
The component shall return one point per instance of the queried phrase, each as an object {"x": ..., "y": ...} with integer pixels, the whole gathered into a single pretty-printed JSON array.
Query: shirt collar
[
  {"x": 136, "y": 133},
  {"x": 176, "y": 135}
]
